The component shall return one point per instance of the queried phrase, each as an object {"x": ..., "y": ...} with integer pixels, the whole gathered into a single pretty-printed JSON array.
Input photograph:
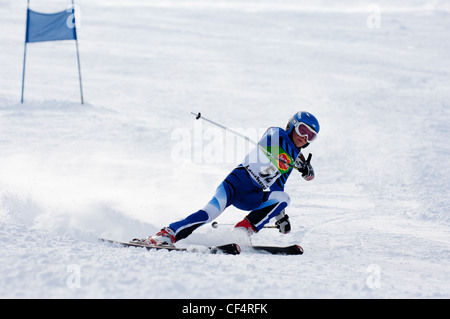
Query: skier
[{"x": 257, "y": 184}]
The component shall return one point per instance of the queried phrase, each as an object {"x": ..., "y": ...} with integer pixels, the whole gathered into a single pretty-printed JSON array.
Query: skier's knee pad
[
  {"x": 217, "y": 204},
  {"x": 280, "y": 196}
]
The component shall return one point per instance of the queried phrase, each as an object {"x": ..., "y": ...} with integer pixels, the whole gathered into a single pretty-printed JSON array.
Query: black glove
[
  {"x": 283, "y": 223},
  {"x": 307, "y": 169}
]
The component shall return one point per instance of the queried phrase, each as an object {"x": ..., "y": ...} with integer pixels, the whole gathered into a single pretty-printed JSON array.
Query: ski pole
[
  {"x": 216, "y": 225},
  {"x": 199, "y": 116}
]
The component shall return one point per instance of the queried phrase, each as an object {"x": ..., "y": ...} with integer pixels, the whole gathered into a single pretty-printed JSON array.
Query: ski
[
  {"x": 277, "y": 250},
  {"x": 231, "y": 249}
]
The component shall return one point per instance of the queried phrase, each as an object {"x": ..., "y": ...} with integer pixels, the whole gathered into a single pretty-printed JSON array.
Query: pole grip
[{"x": 197, "y": 115}]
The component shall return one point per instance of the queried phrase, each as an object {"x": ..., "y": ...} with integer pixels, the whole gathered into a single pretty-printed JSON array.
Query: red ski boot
[{"x": 165, "y": 237}]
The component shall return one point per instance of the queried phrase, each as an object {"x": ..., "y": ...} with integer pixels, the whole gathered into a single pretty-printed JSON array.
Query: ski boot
[
  {"x": 165, "y": 237},
  {"x": 245, "y": 225}
]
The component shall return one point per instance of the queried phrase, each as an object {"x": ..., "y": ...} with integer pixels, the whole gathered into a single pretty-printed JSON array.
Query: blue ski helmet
[{"x": 302, "y": 117}]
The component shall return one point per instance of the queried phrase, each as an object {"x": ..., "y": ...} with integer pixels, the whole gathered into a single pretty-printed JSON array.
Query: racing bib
[{"x": 266, "y": 164}]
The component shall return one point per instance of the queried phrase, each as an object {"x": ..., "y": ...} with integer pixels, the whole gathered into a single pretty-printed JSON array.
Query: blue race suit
[{"x": 256, "y": 185}]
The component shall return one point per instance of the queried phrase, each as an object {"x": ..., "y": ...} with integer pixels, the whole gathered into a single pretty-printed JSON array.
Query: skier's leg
[
  {"x": 257, "y": 218},
  {"x": 211, "y": 211},
  {"x": 233, "y": 188}
]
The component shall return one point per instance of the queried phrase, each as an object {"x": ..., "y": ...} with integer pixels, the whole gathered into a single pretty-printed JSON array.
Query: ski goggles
[{"x": 303, "y": 129}]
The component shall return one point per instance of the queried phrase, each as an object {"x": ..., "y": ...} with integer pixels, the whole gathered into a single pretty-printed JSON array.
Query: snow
[{"x": 373, "y": 224}]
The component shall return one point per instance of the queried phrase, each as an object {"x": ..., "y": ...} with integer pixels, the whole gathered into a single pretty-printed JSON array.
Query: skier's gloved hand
[
  {"x": 283, "y": 223},
  {"x": 307, "y": 171},
  {"x": 305, "y": 167}
]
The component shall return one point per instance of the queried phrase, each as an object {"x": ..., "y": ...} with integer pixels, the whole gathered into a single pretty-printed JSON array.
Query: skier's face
[{"x": 298, "y": 140}]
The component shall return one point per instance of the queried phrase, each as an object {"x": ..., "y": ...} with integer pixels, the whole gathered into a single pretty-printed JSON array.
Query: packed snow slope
[{"x": 373, "y": 224}]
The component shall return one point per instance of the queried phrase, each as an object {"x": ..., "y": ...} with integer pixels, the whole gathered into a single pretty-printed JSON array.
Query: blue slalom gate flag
[
  {"x": 50, "y": 26},
  {"x": 57, "y": 26}
]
